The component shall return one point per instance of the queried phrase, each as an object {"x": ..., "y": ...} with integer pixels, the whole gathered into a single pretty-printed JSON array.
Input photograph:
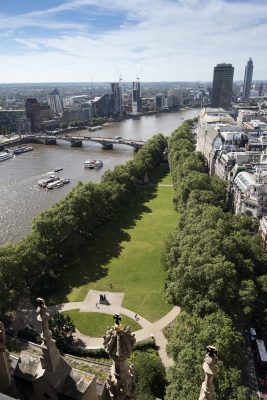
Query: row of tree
[
  {"x": 59, "y": 233},
  {"x": 216, "y": 273}
]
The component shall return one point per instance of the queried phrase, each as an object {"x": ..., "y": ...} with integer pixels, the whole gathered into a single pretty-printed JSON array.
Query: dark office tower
[
  {"x": 136, "y": 98},
  {"x": 117, "y": 97},
  {"x": 222, "y": 85},
  {"x": 247, "y": 80}
]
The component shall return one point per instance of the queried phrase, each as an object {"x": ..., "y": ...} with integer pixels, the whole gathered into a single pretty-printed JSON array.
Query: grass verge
[
  {"x": 96, "y": 324},
  {"x": 136, "y": 267}
]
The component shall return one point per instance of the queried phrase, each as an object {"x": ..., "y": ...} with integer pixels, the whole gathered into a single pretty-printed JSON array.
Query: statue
[
  {"x": 210, "y": 367},
  {"x": 119, "y": 342},
  {"x": 43, "y": 317},
  {"x": 6, "y": 370},
  {"x": 2, "y": 337}
]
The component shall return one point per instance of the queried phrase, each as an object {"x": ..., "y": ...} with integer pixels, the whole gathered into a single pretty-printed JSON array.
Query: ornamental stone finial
[
  {"x": 210, "y": 367},
  {"x": 119, "y": 342},
  {"x": 43, "y": 317},
  {"x": 6, "y": 370}
]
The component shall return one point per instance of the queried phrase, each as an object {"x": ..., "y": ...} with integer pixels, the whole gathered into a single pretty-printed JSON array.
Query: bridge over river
[{"x": 77, "y": 141}]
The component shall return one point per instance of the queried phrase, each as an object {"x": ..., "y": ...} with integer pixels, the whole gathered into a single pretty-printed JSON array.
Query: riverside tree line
[
  {"x": 216, "y": 274},
  {"x": 59, "y": 233}
]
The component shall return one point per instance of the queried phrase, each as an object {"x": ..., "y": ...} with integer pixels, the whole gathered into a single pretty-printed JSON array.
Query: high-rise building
[
  {"x": 222, "y": 85},
  {"x": 36, "y": 113},
  {"x": 248, "y": 80},
  {"x": 117, "y": 97},
  {"x": 136, "y": 98},
  {"x": 54, "y": 102}
]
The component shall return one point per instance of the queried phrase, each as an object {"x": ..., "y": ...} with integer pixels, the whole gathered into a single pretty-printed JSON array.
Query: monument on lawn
[
  {"x": 119, "y": 342},
  {"x": 210, "y": 367}
]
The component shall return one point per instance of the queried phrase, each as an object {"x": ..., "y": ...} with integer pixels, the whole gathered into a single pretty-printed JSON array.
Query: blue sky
[{"x": 168, "y": 40}]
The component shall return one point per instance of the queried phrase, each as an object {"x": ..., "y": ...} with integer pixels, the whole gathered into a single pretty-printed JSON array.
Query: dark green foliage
[
  {"x": 146, "y": 344},
  {"x": 62, "y": 328},
  {"x": 150, "y": 375},
  {"x": 82, "y": 352},
  {"x": 216, "y": 273},
  {"x": 30, "y": 335}
]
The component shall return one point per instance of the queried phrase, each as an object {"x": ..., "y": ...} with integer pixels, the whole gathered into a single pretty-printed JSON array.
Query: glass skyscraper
[
  {"x": 222, "y": 85},
  {"x": 248, "y": 80}
]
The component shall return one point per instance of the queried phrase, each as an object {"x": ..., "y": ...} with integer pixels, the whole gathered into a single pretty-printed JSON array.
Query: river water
[{"x": 20, "y": 197}]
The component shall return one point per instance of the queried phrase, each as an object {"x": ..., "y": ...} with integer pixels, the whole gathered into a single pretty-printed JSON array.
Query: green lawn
[
  {"x": 132, "y": 259},
  {"x": 95, "y": 324}
]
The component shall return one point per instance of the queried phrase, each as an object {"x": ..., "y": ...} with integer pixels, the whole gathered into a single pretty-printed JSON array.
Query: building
[
  {"x": 54, "y": 102},
  {"x": 208, "y": 132},
  {"x": 14, "y": 121},
  {"x": 31, "y": 377},
  {"x": 136, "y": 97},
  {"x": 117, "y": 98},
  {"x": 222, "y": 85},
  {"x": 248, "y": 80},
  {"x": 76, "y": 101},
  {"x": 263, "y": 231},
  {"x": 250, "y": 193},
  {"x": 103, "y": 106},
  {"x": 159, "y": 102},
  {"x": 36, "y": 113}
]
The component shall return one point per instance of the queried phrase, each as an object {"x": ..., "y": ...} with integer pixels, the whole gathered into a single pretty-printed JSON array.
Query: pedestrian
[
  {"x": 96, "y": 305},
  {"x": 136, "y": 317}
]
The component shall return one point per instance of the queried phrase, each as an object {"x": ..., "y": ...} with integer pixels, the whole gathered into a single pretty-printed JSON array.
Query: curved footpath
[{"x": 90, "y": 304}]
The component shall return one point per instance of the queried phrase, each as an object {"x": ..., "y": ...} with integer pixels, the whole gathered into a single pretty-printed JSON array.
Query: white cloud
[{"x": 168, "y": 39}]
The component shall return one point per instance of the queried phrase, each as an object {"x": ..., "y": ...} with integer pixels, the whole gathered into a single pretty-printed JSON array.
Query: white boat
[
  {"x": 98, "y": 164},
  {"x": 5, "y": 155},
  {"x": 93, "y": 164},
  {"x": 22, "y": 149},
  {"x": 55, "y": 184},
  {"x": 44, "y": 182},
  {"x": 94, "y": 128}
]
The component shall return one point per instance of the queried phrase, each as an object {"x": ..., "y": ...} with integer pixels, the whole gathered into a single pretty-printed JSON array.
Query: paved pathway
[{"x": 90, "y": 304}]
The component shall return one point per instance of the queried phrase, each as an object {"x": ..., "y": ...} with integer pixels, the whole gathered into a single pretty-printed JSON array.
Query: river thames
[{"x": 20, "y": 197}]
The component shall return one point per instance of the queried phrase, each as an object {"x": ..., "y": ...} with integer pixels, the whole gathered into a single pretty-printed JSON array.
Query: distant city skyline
[{"x": 156, "y": 40}]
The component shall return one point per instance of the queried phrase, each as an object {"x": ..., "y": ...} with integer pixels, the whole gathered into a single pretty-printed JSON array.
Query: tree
[
  {"x": 62, "y": 328},
  {"x": 150, "y": 375}
]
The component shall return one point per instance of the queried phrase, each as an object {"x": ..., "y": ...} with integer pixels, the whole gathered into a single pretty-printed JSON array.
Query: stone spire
[
  {"x": 119, "y": 342},
  {"x": 56, "y": 369},
  {"x": 210, "y": 367},
  {"x": 6, "y": 371}
]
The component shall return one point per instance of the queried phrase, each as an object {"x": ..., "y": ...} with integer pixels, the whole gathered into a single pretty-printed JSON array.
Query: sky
[{"x": 154, "y": 40}]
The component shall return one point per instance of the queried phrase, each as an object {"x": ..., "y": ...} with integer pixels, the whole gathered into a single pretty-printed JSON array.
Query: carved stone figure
[
  {"x": 6, "y": 371},
  {"x": 119, "y": 342},
  {"x": 211, "y": 369}
]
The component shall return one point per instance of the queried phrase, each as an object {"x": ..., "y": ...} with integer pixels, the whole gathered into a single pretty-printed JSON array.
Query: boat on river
[
  {"x": 5, "y": 155},
  {"x": 44, "y": 182},
  {"x": 93, "y": 164},
  {"x": 22, "y": 149},
  {"x": 94, "y": 128},
  {"x": 55, "y": 184}
]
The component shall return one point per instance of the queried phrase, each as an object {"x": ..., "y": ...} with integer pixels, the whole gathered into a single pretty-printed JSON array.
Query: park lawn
[
  {"x": 138, "y": 270},
  {"x": 96, "y": 324}
]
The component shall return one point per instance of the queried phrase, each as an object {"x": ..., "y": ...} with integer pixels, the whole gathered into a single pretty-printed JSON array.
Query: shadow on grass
[{"x": 89, "y": 264}]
